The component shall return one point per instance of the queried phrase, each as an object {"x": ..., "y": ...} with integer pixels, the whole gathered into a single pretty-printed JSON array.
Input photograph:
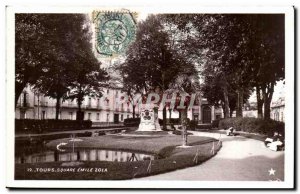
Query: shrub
[
  {"x": 39, "y": 126},
  {"x": 253, "y": 125},
  {"x": 193, "y": 124},
  {"x": 204, "y": 126},
  {"x": 160, "y": 121},
  {"x": 215, "y": 123},
  {"x": 174, "y": 121},
  {"x": 132, "y": 122},
  {"x": 87, "y": 124}
]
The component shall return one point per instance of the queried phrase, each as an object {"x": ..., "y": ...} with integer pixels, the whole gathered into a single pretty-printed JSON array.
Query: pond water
[
  {"x": 82, "y": 155},
  {"x": 37, "y": 152}
]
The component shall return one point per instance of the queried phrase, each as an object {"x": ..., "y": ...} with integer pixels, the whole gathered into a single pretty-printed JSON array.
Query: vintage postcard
[{"x": 150, "y": 97}]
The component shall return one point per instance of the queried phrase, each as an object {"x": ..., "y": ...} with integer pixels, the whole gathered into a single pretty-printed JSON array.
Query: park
[{"x": 165, "y": 98}]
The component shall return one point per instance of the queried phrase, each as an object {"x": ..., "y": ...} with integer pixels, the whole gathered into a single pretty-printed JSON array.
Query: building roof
[{"x": 278, "y": 103}]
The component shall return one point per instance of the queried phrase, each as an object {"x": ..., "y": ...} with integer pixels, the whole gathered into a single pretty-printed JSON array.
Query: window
[
  {"x": 107, "y": 91},
  {"x": 107, "y": 118},
  {"x": 127, "y": 116},
  {"x": 90, "y": 102},
  {"x": 98, "y": 117},
  {"x": 89, "y": 116},
  {"x": 117, "y": 94},
  {"x": 122, "y": 107},
  {"x": 43, "y": 101},
  {"x": 121, "y": 117},
  {"x": 277, "y": 116},
  {"x": 98, "y": 102},
  {"x": 23, "y": 115},
  {"x": 70, "y": 103},
  {"x": 24, "y": 99},
  {"x": 71, "y": 115},
  {"x": 43, "y": 114},
  {"x": 196, "y": 118}
]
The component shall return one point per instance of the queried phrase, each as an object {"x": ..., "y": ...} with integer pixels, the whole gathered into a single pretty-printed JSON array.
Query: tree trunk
[
  {"x": 226, "y": 102},
  {"x": 230, "y": 114},
  {"x": 164, "y": 118},
  {"x": 79, "y": 103},
  {"x": 259, "y": 102},
  {"x": 170, "y": 114},
  {"x": 80, "y": 96},
  {"x": 267, "y": 108},
  {"x": 57, "y": 107},
  {"x": 184, "y": 126},
  {"x": 239, "y": 103},
  {"x": 19, "y": 87},
  {"x": 79, "y": 114},
  {"x": 133, "y": 111},
  {"x": 267, "y": 95},
  {"x": 223, "y": 108}
]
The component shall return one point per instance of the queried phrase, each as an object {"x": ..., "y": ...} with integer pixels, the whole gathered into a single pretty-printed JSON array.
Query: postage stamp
[
  {"x": 115, "y": 30},
  {"x": 128, "y": 97}
]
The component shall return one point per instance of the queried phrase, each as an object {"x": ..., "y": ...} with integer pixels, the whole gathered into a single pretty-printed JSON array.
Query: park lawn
[
  {"x": 144, "y": 144},
  {"x": 172, "y": 158}
]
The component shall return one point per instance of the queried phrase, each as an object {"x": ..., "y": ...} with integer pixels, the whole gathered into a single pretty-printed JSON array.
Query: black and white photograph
[{"x": 130, "y": 97}]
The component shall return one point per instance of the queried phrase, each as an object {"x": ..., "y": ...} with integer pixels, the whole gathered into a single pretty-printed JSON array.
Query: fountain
[{"x": 149, "y": 119}]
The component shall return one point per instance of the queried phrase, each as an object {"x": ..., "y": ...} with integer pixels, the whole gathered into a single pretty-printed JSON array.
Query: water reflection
[{"x": 83, "y": 155}]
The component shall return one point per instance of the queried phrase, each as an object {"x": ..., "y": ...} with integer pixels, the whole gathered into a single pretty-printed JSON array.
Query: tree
[
  {"x": 246, "y": 47},
  {"x": 133, "y": 96},
  {"x": 72, "y": 58},
  {"x": 211, "y": 44},
  {"x": 133, "y": 82},
  {"x": 54, "y": 85},
  {"x": 185, "y": 85},
  {"x": 89, "y": 80},
  {"x": 212, "y": 89},
  {"x": 153, "y": 61},
  {"x": 32, "y": 50},
  {"x": 267, "y": 56}
]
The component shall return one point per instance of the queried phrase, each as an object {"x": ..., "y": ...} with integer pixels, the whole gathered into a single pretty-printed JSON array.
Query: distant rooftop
[{"x": 279, "y": 102}]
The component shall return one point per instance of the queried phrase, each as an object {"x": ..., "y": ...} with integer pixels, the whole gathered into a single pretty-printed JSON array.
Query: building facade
[
  {"x": 107, "y": 109},
  {"x": 277, "y": 110},
  {"x": 202, "y": 112},
  {"x": 33, "y": 105}
]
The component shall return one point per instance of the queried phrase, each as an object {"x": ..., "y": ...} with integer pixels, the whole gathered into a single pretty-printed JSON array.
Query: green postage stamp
[
  {"x": 115, "y": 30},
  {"x": 159, "y": 96}
]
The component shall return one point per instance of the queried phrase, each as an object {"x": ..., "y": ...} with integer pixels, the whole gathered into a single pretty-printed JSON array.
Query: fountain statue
[{"x": 149, "y": 119}]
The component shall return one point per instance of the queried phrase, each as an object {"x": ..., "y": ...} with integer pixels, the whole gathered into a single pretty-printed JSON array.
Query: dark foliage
[
  {"x": 253, "y": 125},
  {"x": 215, "y": 123},
  {"x": 204, "y": 126},
  {"x": 132, "y": 122},
  {"x": 39, "y": 126}
]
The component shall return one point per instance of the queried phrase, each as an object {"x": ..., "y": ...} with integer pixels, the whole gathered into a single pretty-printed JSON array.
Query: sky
[{"x": 279, "y": 91}]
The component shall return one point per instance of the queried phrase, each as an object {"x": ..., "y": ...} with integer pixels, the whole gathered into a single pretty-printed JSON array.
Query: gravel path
[{"x": 240, "y": 159}]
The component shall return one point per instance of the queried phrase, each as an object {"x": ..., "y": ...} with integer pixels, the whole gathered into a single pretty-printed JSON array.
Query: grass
[
  {"x": 259, "y": 137},
  {"x": 165, "y": 147},
  {"x": 147, "y": 132}
]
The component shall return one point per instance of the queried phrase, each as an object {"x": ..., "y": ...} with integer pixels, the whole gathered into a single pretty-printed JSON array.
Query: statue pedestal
[{"x": 149, "y": 120}]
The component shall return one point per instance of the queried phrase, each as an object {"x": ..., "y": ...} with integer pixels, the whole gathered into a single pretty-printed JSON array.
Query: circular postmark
[{"x": 114, "y": 32}]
